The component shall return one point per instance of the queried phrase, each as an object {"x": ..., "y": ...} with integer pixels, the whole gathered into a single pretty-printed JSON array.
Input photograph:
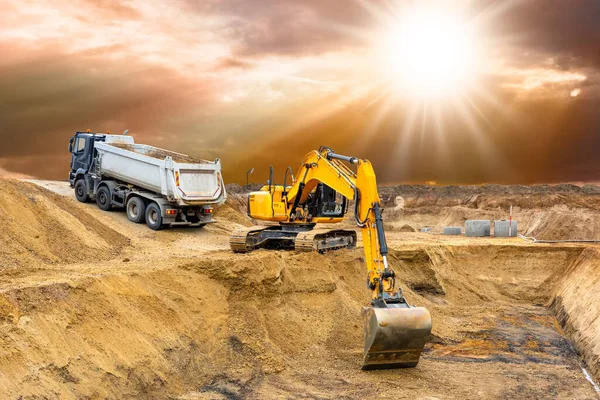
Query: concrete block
[
  {"x": 477, "y": 227},
  {"x": 502, "y": 228},
  {"x": 399, "y": 203},
  {"x": 452, "y": 230}
]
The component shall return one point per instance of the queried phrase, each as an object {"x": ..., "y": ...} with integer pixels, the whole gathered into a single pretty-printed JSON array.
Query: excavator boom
[{"x": 395, "y": 332}]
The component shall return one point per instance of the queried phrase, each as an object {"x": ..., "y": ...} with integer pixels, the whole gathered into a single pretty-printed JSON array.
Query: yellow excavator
[{"x": 395, "y": 332}]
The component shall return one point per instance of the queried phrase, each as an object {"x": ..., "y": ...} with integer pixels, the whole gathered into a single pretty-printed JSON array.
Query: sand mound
[
  {"x": 230, "y": 211},
  {"x": 407, "y": 228},
  {"x": 40, "y": 226},
  {"x": 4, "y": 174}
]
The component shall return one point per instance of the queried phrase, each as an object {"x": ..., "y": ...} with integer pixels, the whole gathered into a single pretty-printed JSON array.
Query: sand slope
[{"x": 40, "y": 226}]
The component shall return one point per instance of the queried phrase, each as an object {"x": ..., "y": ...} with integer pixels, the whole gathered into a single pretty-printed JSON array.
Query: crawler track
[
  {"x": 322, "y": 240},
  {"x": 241, "y": 241},
  {"x": 274, "y": 237}
]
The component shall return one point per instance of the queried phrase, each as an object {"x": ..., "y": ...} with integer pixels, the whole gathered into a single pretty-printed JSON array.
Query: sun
[{"x": 429, "y": 52}]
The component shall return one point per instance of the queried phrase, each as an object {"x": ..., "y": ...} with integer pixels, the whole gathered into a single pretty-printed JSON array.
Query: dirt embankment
[
  {"x": 577, "y": 306},
  {"x": 185, "y": 318},
  {"x": 39, "y": 226},
  {"x": 543, "y": 211}
]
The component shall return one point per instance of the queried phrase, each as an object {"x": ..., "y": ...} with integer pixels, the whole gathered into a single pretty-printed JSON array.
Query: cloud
[
  {"x": 46, "y": 96},
  {"x": 566, "y": 29},
  {"x": 288, "y": 27},
  {"x": 232, "y": 63},
  {"x": 241, "y": 80},
  {"x": 542, "y": 78}
]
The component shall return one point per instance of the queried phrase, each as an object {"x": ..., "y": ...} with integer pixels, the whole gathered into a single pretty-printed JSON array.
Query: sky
[{"x": 467, "y": 92}]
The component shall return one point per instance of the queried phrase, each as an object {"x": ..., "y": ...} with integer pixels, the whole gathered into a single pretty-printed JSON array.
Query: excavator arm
[
  {"x": 395, "y": 332},
  {"x": 325, "y": 166}
]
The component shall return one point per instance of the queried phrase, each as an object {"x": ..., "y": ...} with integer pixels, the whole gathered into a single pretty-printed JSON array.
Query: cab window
[{"x": 80, "y": 145}]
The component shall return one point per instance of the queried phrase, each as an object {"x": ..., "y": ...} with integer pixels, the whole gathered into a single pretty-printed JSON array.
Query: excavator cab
[{"x": 326, "y": 203}]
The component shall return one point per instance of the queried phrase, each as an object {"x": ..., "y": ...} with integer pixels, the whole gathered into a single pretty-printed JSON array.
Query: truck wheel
[
  {"x": 153, "y": 216},
  {"x": 103, "y": 199},
  {"x": 136, "y": 209},
  {"x": 81, "y": 192}
]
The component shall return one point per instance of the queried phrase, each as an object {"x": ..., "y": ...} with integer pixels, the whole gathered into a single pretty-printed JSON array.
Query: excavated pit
[
  {"x": 287, "y": 325},
  {"x": 174, "y": 314}
]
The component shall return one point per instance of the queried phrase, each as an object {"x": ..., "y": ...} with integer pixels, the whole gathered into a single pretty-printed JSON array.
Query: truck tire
[
  {"x": 136, "y": 209},
  {"x": 103, "y": 199},
  {"x": 153, "y": 216},
  {"x": 81, "y": 192}
]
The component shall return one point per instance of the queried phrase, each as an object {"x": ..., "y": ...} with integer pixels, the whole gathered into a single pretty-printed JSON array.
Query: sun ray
[
  {"x": 380, "y": 14},
  {"x": 433, "y": 64},
  {"x": 381, "y": 114},
  {"x": 407, "y": 137},
  {"x": 488, "y": 156},
  {"x": 423, "y": 125},
  {"x": 442, "y": 156}
]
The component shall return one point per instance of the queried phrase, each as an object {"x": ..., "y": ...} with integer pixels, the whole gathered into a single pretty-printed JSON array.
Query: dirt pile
[
  {"x": 39, "y": 226},
  {"x": 5, "y": 174},
  {"x": 236, "y": 188},
  {"x": 229, "y": 218},
  {"x": 159, "y": 154}
]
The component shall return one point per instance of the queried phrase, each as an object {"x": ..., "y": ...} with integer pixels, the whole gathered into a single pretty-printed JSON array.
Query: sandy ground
[{"x": 94, "y": 306}]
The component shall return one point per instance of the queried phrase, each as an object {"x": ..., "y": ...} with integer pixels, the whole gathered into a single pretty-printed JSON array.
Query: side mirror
[{"x": 71, "y": 145}]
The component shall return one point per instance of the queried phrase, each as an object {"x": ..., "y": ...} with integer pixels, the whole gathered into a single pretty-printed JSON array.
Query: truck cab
[{"x": 81, "y": 147}]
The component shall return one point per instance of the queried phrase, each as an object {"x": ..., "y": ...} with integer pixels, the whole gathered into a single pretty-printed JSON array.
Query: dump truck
[{"x": 160, "y": 187}]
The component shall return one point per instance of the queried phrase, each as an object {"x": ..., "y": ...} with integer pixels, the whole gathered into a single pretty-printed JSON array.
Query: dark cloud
[
  {"x": 567, "y": 30},
  {"x": 288, "y": 27},
  {"x": 45, "y": 98}
]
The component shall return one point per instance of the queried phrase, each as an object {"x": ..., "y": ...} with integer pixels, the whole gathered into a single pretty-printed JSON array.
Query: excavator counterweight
[{"x": 395, "y": 332}]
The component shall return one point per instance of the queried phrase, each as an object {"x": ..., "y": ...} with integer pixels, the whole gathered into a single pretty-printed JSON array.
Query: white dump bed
[{"x": 179, "y": 177}]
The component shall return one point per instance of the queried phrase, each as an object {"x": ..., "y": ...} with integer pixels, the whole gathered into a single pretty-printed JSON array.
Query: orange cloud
[{"x": 241, "y": 80}]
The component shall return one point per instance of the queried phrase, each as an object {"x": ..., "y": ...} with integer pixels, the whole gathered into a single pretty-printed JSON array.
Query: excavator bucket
[{"x": 395, "y": 336}]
